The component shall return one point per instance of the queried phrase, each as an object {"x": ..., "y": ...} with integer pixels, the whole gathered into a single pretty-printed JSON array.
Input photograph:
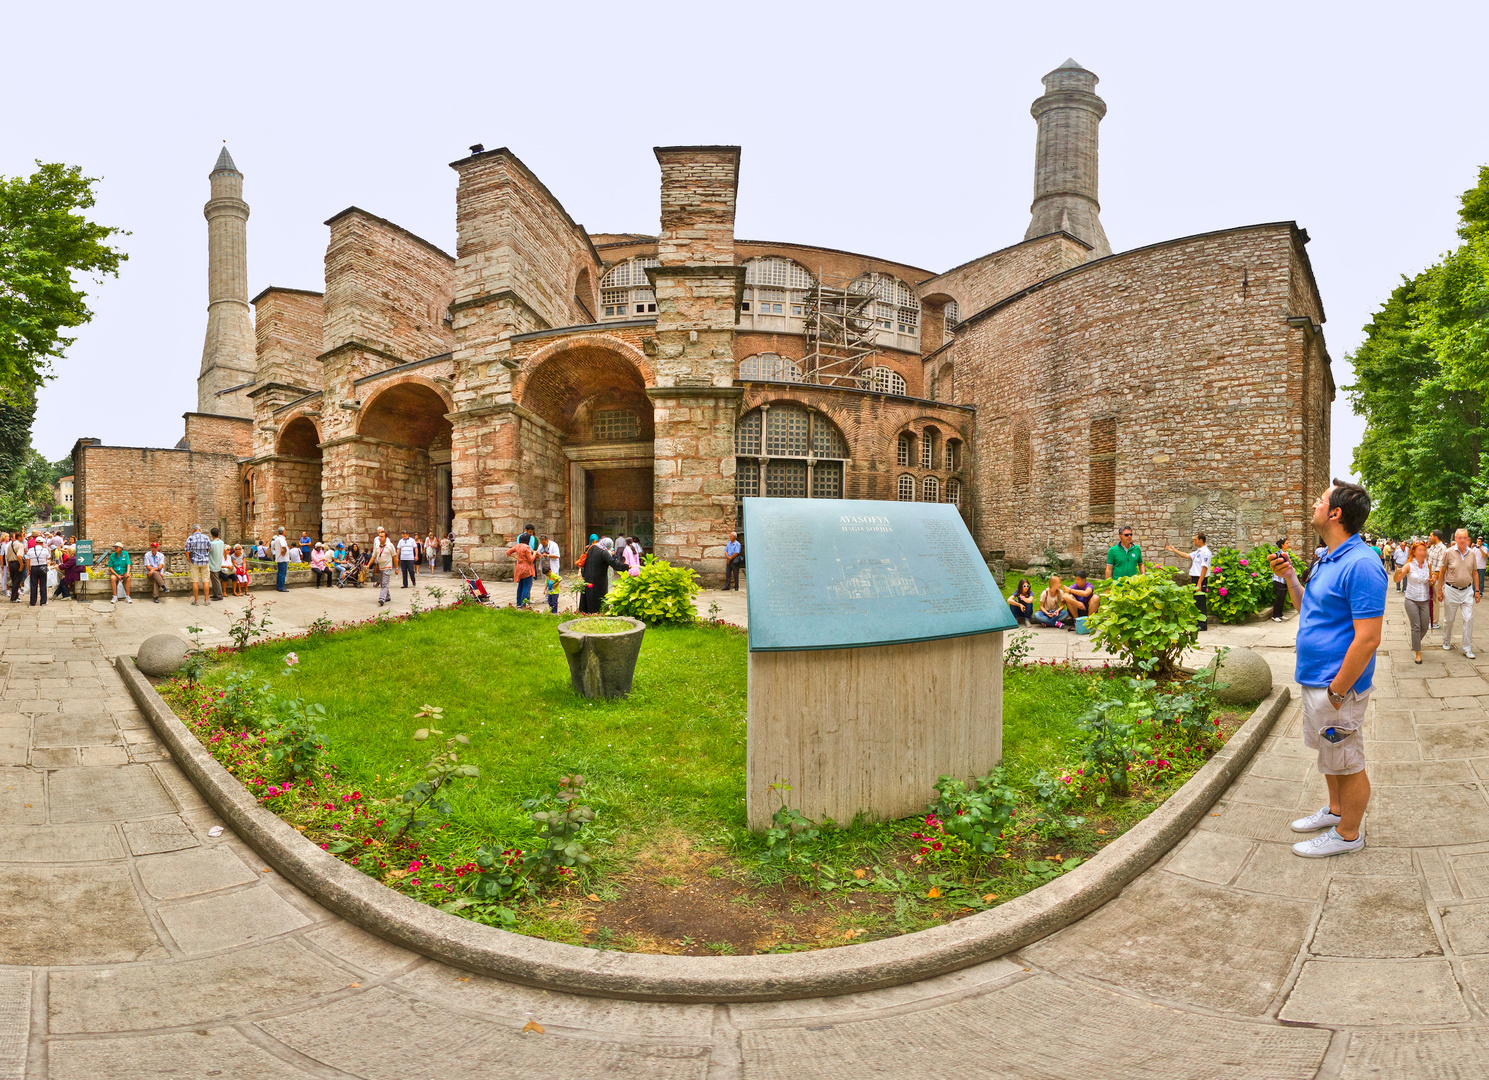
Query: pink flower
[
  {"x": 1245, "y": 563},
  {"x": 1224, "y": 592},
  {"x": 291, "y": 659},
  {"x": 413, "y": 881}
]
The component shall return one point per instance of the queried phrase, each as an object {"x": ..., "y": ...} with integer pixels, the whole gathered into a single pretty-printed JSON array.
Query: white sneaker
[
  {"x": 113, "y": 599},
  {"x": 1446, "y": 647},
  {"x": 1322, "y": 818},
  {"x": 130, "y": 599},
  {"x": 1470, "y": 655},
  {"x": 1330, "y": 843}
]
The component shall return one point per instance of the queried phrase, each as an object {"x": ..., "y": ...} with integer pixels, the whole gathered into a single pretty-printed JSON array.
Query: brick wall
[
  {"x": 1184, "y": 348},
  {"x": 212, "y": 434},
  {"x": 135, "y": 495},
  {"x": 984, "y": 281},
  {"x": 288, "y": 324}
]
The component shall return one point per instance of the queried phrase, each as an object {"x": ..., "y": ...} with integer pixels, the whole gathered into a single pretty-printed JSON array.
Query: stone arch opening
[
  {"x": 406, "y": 427},
  {"x": 295, "y": 485},
  {"x": 597, "y": 445}
]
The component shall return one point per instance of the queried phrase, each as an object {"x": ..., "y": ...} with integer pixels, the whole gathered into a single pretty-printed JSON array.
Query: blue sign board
[{"x": 842, "y": 574}]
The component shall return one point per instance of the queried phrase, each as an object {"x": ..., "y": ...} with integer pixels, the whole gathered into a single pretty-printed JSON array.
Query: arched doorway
[
  {"x": 296, "y": 488},
  {"x": 596, "y": 400},
  {"x": 409, "y": 488}
]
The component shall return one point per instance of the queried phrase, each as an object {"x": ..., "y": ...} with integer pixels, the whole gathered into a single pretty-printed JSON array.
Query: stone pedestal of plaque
[{"x": 876, "y": 657}]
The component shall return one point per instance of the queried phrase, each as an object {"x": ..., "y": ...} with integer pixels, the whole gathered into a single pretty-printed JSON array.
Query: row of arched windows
[
  {"x": 935, "y": 453},
  {"x": 931, "y": 490},
  {"x": 772, "y": 367},
  {"x": 788, "y": 452}
]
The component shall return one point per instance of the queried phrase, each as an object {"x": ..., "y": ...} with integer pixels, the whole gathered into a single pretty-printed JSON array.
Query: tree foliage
[
  {"x": 1422, "y": 382},
  {"x": 45, "y": 242}
]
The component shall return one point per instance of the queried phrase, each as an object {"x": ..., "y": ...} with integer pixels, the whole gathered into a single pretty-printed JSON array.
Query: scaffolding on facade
[{"x": 842, "y": 338}]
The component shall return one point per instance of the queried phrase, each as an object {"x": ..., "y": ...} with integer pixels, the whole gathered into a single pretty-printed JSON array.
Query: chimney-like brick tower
[
  {"x": 229, "y": 357},
  {"x": 695, "y": 402},
  {"x": 1065, "y": 158}
]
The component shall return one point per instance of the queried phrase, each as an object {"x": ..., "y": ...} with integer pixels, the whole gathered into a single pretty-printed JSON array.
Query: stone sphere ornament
[
  {"x": 161, "y": 654},
  {"x": 1249, "y": 677}
]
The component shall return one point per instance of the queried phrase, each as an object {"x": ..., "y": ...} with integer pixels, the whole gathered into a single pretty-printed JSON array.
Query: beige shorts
[
  {"x": 1343, "y": 758},
  {"x": 199, "y": 573}
]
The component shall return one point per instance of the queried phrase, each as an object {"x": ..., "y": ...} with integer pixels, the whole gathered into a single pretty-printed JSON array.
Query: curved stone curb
[{"x": 572, "y": 969}]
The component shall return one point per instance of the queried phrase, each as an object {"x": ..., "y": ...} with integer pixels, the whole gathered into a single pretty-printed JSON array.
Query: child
[
  {"x": 240, "y": 571},
  {"x": 552, "y": 591}
]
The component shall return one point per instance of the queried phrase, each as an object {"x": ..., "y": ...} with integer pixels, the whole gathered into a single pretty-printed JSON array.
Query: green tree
[
  {"x": 1421, "y": 382},
  {"x": 45, "y": 242}
]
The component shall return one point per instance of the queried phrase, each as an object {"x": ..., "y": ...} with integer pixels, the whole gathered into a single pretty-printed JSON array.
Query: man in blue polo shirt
[{"x": 1339, "y": 626}]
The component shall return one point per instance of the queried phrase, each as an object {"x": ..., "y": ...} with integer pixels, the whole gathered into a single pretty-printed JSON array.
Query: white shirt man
[
  {"x": 279, "y": 547},
  {"x": 1458, "y": 591},
  {"x": 38, "y": 556},
  {"x": 551, "y": 552}
]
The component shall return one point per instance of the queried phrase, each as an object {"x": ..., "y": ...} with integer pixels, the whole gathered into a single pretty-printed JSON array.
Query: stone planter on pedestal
[{"x": 601, "y": 665}]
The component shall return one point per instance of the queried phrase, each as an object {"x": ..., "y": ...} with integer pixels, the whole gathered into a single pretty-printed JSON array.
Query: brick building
[{"x": 649, "y": 384}]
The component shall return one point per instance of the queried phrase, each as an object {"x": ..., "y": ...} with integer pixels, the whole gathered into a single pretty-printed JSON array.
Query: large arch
[
  {"x": 405, "y": 426},
  {"x": 294, "y": 490},
  {"x": 594, "y": 442}
]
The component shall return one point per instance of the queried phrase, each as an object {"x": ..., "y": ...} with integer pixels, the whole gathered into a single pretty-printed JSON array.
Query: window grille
[
  {"x": 953, "y": 315},
  {"x": 954, "y": 493},
  {"x": 770, "y": 367},
  {"x": 930, "y": 490},
  {"x": 746, "y": 478},
  {"x": 786, "y": 479},
  {"x": 827, "y": 480},
  {"x": 786, "y": 431},
  {"x": 952, "y": 445},
  {"x": 616, "y": 426},
  {"x": 747, "y": 434},
  {"x": 907, "y": 489},
  {"x": 928, "y": 449},
  {"x": 903, "y": 457},
  {"x": 888, "y": 381},
  {"x": 625, "y": 291},
  {"x": 827, "y": 441}
]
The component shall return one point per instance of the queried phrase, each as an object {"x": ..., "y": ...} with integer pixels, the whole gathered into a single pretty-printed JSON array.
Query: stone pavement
[{"x": 133, "y": 944}]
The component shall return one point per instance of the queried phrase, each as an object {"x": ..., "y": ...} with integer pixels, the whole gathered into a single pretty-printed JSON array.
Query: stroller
[
  {"x": 474, "y": 585},
  {"x": 353, "y": 572}
]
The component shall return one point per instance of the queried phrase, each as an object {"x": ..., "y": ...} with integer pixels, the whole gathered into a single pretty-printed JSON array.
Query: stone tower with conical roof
[
  {"x": 1068, "y": 113},
  {"x": 229, "y": 357}
]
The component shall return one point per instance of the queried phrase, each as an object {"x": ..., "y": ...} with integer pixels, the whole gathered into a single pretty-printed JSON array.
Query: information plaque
[{"x": 843, "y": 574}]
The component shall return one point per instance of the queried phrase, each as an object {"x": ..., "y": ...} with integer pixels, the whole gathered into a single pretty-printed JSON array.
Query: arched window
[
  {"x": 907, "y": 488},
  {"x": 625, "y": 292},
  {"x": 775, "y": 287},
  {"x": 769, "y": 367},
  {"x": 930, "y": 489},
  {"x": 788, "y": 452},
  {"x": 953, "y": 455},
  {"x": 903, "y": 454},
  {"x": 953, "y": 315},
  {"x": 888, "y": 381},
  {"x": 928, "y": 448},
  {"x": 896, "y": 307},
  {"x": 954, "y": 493}
]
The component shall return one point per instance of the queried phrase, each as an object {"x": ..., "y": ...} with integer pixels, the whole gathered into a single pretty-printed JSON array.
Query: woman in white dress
[{"x": 1418, "y": 578}]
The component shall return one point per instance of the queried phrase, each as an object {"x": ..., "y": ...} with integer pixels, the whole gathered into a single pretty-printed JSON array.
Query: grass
[{"x": 675, "y": 868}]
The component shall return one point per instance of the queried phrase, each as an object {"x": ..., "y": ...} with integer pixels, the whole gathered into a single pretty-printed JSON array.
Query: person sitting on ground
[
  {"x": 1086, "y": 600},
  {"x": 1055, "y": 605},
  {"x": 1021, "y": 603}
]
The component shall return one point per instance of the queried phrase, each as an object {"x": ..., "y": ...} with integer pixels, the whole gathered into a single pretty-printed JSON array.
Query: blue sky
[{"x": 901, "y": 131}]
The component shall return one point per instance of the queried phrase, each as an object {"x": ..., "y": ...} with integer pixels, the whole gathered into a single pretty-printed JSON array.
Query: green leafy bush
[
  {"x": 1239, "y": 584},
  {"x": 974, "y": 812},
  {"x": 1147, "y": 618},
  {"x": 660, "y": 593},
  {"x": 1116, "y": 743}
]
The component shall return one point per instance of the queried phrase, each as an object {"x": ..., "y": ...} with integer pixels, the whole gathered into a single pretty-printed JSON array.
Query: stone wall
[
  {"x": 1185, "y": 348},
  {"x": 288, "y": 324},
  {"x": 212, "y": 434},
  {"x": 135, "y": 495}
]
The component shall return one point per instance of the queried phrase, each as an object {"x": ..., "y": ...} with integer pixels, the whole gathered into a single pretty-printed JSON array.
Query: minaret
[
  {"x": 1065, "y": 158},
  {"x": 229, "y": 357}
]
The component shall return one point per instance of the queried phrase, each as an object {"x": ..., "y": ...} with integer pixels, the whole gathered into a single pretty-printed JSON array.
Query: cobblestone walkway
[{"x": 135, "y": 945}]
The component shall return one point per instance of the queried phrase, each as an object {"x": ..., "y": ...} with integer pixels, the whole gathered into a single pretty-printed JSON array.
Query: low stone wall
[{"x": 97, "y": 588}]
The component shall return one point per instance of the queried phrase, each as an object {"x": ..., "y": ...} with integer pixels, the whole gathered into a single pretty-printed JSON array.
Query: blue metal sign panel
[{"x": 842, "y": 574}]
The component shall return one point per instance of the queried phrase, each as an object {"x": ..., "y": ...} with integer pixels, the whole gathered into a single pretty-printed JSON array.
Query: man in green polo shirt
[{"x": 1124, "y": 559}]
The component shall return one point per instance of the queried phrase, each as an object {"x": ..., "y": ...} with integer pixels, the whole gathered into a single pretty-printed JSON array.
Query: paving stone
[
  {"x": 369, "y": 1035},
  {"x": 121, "y": 794},
  {"x": 1467, "y": 927},
  {"x": 138, "y": 997},
  {"x": 72, "y": 915},
  {"x": 1257, "y": 822},
  {"x": 54, "y": 757},
  {"x": 1408, "y": 773},
  {"x": 236, "y": 918},
  {"x": 357, "y": 947},
  {"x": 22, "y": 797},
  {"x": 1471, "y": 871},
  {"x": 191, "y": 873},
  {"x": 1374, "y": 859},
  {"x": 1209, "y": 856},
  {"x": 1350, "y": 992},
  {"x": 1393, "y": 728},
  {"x": 176, "y": 782},
  {"x": 103, "y": 755},
  {"x": 15, "y": 746},
  {"x": 1375, "y": 916},
  {"x": 220, "y": 1052},
  {"x": 1434, "y": 816},
  {"x": 1184, "y": 941},
  {"x": 15, "y": 1022},
  {"x": 155, "y": 835},
  {"x": 1265, "y": 791},
  {"x": 12, "y": 721},
  {"x": 1434, "y": 872},
  {"x": 59, "y": 843},
  {"x": 1467, "y": 686},
  {"x": 1391, "y": 750},
  {"x": 60, "y": 729},
  {"x": 1275, "y": 870},
  {"x": 1454, "y": 740},
  {"x": 501, "y": 1001},
  {"x": 1438, "y": 1054},
  {"x": 1271, "y": 767},
  {"x": 1007, "y": 1035}
]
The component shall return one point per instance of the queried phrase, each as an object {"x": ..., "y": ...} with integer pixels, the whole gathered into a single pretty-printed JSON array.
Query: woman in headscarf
[{"x": 599, "y": 560}]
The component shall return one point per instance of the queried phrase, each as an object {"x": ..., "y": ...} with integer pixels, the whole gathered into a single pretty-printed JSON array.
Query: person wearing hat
[
  {"x": 119, "y": 572},
  {"x": 155, "y": 569},
  {"x": 39, "y": 556}
]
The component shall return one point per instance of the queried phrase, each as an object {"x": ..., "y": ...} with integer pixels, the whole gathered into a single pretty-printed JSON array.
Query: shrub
[
  {"x": 1239, "y": 584},
  {"x": 1147, "y": 618},
  {"x": 975, "y": 812},
  {"x": 660, "y": 593},
  {"x": 1115, "y": 743}
]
